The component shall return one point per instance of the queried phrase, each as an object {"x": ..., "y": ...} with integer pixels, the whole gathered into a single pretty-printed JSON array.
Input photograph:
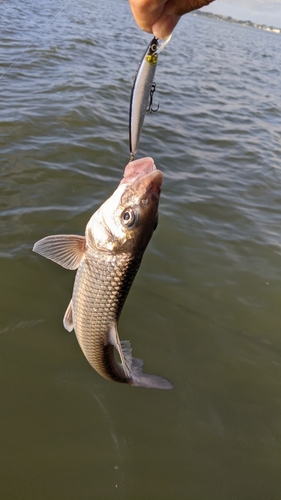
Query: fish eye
[{"x": 129, "y": 218}]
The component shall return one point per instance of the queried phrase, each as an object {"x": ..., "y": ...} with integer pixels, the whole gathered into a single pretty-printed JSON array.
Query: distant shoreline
[{"x": 230, "y": 19}]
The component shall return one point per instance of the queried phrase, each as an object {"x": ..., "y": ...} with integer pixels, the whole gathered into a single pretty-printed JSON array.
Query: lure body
[{"x": 140, "y": 94}]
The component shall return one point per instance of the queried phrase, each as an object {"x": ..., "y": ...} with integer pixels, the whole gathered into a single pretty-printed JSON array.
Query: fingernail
[{"x": 163, "y": 27}]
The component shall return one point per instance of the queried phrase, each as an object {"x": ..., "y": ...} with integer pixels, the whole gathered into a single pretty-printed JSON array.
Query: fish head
[{"x": 126, "y": 221}]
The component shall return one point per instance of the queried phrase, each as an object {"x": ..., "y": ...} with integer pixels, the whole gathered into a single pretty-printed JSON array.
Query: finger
[
  {"x": 146, "y": 12},
  {"x": 171, "y": 14},
  {"x": 161, "y": 16},
  {"x": 164, "y": 26}
]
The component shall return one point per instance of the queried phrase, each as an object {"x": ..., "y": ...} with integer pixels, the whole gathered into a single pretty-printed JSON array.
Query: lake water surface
[{"x": 205, "y": 309}]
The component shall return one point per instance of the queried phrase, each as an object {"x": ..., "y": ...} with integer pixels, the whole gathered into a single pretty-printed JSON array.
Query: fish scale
[{"x": 100, "y": 290}]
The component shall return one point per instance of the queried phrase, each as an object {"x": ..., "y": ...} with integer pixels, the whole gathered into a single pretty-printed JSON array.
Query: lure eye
[{"x": 129, "y": 218}]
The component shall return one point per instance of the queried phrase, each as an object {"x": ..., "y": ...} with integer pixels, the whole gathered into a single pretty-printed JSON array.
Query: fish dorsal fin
[
  {"x": 68, "y": 318},
  {"x": 124, "y": 350},
  {"x": 64, "y": 249}
]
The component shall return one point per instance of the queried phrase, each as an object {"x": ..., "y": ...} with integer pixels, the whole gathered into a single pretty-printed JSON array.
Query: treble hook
[{"x": 150, "y": 108}]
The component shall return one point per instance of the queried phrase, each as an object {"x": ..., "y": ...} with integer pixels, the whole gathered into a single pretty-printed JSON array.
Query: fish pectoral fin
[
  {"x": 124, "y": 350},
  {"x": 64, "y": 249},
  {"x": 68, "y": 318}
]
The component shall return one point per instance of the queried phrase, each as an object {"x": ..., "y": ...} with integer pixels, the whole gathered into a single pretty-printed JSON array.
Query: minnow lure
[{"x": 142, "y": 92}]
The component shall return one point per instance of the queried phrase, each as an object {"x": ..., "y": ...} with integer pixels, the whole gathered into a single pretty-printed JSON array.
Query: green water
[{"x": 204, "y": 310}]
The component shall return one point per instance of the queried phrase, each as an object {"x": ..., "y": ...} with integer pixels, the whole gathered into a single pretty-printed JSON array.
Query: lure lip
[{"x": 163, "y": 42}]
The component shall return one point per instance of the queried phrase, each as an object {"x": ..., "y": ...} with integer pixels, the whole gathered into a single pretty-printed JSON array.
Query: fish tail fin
[{"x": 140, "y": 379}]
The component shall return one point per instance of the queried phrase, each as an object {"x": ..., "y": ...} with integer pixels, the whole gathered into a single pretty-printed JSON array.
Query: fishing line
[{"x": 34, "y": 40}]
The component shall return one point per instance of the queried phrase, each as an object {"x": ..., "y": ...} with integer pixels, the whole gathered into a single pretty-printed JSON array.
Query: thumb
[{"x": 171, "y": 14}]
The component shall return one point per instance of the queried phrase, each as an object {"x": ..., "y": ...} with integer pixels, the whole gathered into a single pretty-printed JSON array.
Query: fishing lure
[{"x": 143, "y": 91}]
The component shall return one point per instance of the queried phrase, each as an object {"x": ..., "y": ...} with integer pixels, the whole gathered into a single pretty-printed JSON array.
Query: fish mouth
[
  {"x": 137, "y": 169},
  {"x": 151, "y": 183}
]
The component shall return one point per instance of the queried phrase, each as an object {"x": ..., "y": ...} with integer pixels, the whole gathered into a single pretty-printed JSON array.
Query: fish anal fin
[
  {"x": 64, "y": 249},
  {"x": 68, "y": 318}
]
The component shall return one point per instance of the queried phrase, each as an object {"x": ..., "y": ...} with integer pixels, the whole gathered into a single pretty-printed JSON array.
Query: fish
[
  {"x": 142, "y": 92},
  {"x": 107, "y": 259}
]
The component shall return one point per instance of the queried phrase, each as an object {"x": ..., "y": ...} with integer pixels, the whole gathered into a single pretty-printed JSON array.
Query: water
[{"x": 204, "y": 310}]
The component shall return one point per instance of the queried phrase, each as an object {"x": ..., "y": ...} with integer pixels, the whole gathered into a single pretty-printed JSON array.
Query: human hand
[{"x": 161, "y": 16}]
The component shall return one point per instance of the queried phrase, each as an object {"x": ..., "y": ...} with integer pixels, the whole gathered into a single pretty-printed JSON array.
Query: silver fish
[
  {"x": 107, "y": 259},
  {"x": 142, "y": 91}
]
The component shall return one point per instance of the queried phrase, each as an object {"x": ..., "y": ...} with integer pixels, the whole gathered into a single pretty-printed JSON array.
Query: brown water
[{"x": 204, "y": 310}]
